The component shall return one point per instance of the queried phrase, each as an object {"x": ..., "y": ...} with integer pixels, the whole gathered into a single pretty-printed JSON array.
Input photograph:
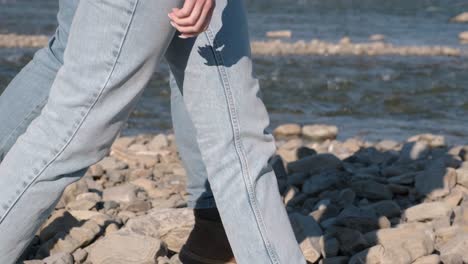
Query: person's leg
[
  {"x": 214, "y": 73},
  {"x": 27, "y": 93},
  {"x": 113, "y": 48}
]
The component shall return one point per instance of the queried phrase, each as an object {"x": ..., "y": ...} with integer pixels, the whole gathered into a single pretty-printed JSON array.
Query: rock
[
  {"x": 110, "y": 163},
  {"x": 462, "y": 176},
  {"x": 279, "y": 34},
  {"x": 137, "y": 206},
  {"x": 358, "y": 219},
  {"x": 350, "y": 241},
  {"x": 80, "y": 255},
  {"x": 59, "y": 258},
  {"x": 455, "y": 250},
  {"x": 434, "y": 141},
  {"x": 307, "y": 233},
  {"x": 126, "y": 248},
  {"x": 315, "y": 164},
  {"x": 74, "y": 189},
  {"x": 386, "y": 208},
  {"x": 158, "y": 142},
  {"x": 329, "y": 246},
  {"x": 319, "y": 132},
  {"x": 297, "y": 178},
  {"x": 81, "y": 205},
  {"x": 124, "y": 193},
  {"x": 427, "y": 211},
  {"x": 173, "y": 226},
  {"x": 34, "y": 261},
  {"x": 406, "y": 178},
  {"x": 287, "y": 130},
  {"x": 414, "y": 151},
  {"x": 381, "y": 255},
  {"x": 431, "y": 259},
  {"x": 321, "y": 182},
  {"x": 377, "y": 37},
  {"x": 335, "y": 260},
  {"x": 60, "y": 222},
  {"x": 372, "y": 190},
  {"x": 436, "y": 180},
  {"x": 461, "y": 18}
]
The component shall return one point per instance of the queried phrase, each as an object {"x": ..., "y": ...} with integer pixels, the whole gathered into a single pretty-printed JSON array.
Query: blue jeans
[{"x": 65, "y": 108}]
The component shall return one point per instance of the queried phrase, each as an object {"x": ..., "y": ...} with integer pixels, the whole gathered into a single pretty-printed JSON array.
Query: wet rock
[
  {"x": 386, "y": 208},
  {"x": 358, "y": 219},
  {"x": 315, "y": 164},
  {"x": 307, "y": 233},
  {"x": 335, "y": 260},
  {"x": 372, "y": 190},
  {"x": 436, "y": 180},
  {"x": 321, "y": 182},
  {"x": 351, "y": 241}
]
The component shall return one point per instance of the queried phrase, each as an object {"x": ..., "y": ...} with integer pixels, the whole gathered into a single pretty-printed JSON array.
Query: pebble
[{"x": 349, "y": 201}]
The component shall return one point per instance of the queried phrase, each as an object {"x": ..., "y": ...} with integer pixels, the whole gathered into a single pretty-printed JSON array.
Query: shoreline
[
  {"x": 356, "y": 196},
  {"x": 279, "y": 47}
]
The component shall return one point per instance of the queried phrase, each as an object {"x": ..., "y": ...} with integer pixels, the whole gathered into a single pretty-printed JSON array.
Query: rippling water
[{"x": 384, "y": 97}]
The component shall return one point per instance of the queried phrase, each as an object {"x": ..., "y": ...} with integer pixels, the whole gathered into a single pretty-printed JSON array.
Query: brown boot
[{"x": 207, "y": 243}]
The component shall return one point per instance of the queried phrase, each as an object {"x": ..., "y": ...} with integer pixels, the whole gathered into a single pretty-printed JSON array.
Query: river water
[{"x": 370, "y": 97}]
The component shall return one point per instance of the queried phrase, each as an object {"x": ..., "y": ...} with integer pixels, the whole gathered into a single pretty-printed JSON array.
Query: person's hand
[{"x": 193, "y": 18}]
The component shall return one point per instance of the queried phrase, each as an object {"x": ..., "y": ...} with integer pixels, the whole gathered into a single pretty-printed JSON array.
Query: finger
[
  {"x": 194, "y": 16},
  {"x": 186, "y": 10},
  {"x": 198, "y": 27}
]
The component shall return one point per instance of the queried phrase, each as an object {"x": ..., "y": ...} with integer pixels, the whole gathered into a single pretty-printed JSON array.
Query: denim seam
[
  {"x": 37, "y": 107},
  {"x": 83, "y": 117},
  {"x": 238, "y": 145}
]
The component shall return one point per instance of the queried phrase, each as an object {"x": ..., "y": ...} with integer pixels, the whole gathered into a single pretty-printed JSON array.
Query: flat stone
[
  {"x": 335, "y": 260},
  {"x": 462, "y": 176},
  {"x": 329, "y": 246},
  {"x": 461, "y": 18},
  {"x": 350, "y": 241},
  {"x": 372, "y": 190},
  {"x": 427, "y": 211},
  {"x": 307, "y": 233},
  {"x": 59, "y": 258},
  {"x": 321, "y": 182},
  {"x": 158, "y": 142},
  {"x": 173, "y": 226},
  {"x": 315, "y": 164},
  {"x": 386, "y": 208},
  {"x": 358, "y": 219},
  {"x": 126, "y": 248},
  {"x": 319, "y": 132},
  {"x": 124, "y": 193},
  {"x": 436, "y": 181},
  {"x": 431, "y": 259},
  {"x": 414, "y": 151},
  {"x": 455, "y": 250},
  {"x": 287, "y": 130},
  {"x": 110, "y": 163}
]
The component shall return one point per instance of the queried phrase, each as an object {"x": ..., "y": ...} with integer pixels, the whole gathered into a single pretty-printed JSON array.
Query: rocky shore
[
  {"x": 350, "y": 201},
  {"x": 376, "y": 47}
]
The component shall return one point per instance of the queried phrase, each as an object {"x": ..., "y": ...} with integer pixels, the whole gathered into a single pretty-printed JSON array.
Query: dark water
[{"x": 375, "y": 98}]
